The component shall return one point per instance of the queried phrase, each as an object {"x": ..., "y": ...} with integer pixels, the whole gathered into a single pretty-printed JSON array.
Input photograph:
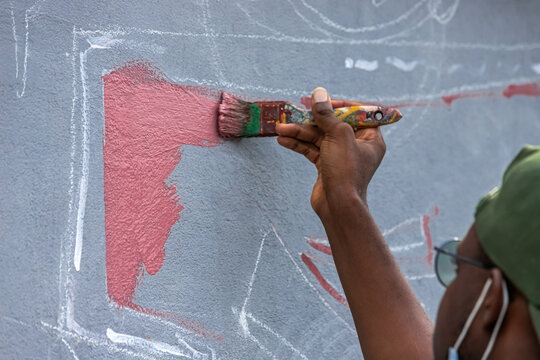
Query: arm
[{"x": 389, "y": 319}]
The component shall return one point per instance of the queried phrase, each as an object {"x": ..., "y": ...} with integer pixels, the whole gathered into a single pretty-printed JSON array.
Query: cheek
[{"x": 447, "y": 324}]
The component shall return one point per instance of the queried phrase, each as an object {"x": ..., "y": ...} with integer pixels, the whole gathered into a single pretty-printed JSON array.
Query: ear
[{"x": 494, "y": 300}]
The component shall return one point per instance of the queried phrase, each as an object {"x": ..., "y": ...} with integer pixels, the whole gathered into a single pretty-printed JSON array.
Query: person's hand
[{"x": 346, "y": 160}]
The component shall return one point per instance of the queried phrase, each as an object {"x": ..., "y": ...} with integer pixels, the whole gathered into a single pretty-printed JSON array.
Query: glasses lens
[{"x": 445, "y": 265}]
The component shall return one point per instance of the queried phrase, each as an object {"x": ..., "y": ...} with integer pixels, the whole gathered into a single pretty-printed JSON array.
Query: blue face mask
[{"x": 453, "y": 351}]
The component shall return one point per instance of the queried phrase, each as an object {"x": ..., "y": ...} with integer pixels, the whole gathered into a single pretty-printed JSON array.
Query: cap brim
[{"x": 535, "y": 316}]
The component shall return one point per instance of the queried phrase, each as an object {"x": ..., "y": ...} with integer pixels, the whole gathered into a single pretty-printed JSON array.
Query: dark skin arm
[{"x": 389, "y": 320}]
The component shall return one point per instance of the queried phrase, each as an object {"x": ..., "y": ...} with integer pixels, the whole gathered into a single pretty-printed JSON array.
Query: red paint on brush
[
  {"x": 147, "y": 121},
  {"x": 319, "y": 246},
  {"x": 322, "y": 281},
  {"x": 306, "y": 101},
  {"x": 427, "y": 233},
  {"x": 529, "y": 89}
]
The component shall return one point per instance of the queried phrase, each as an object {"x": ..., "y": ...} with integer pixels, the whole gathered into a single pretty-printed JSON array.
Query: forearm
[{"x": 389, "y": 319}]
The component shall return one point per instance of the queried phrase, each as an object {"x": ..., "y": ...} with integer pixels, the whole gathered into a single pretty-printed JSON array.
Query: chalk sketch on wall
[{"x": 313, "y": 268}]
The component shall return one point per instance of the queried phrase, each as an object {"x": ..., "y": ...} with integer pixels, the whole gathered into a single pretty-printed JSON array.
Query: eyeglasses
[{"x": 445, "y": 261}]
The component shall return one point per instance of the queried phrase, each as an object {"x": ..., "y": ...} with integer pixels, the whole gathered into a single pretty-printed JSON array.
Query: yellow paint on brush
[{"x": 342, "y": 113}]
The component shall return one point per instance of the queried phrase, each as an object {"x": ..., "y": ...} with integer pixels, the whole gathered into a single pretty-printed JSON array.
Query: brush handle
[
  {"x": 356, "y": 116},
  {"x": 262, "y": 117}
]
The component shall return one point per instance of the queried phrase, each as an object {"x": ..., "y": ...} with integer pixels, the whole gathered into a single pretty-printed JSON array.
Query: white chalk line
[
  {"x": 118, "y": 31},
  {"x": 401, "y": 64},
  {"x": 70, "y": 349},
  {"x": 536, "y": 68},
  {"x": 83, "y": 184},
  {"x": 242, "y": 320},
  {"x": 366, "y": 65},
  {"x": 215, "y": 58},
  {"x": 64, "y": 268},
  {"x": 25, "y": 60},
  {"x": 405, "y": 223},
  {"x": 103, "y": 42},
  {"x": 251, "y": 281},
  {"x": 401, "y": 248},
  {"x": 15, "y": 43},
  {"x": 94, "y": 339},
  {"x": 420, "y": 277},
  {"x": 156, "y": 347},
  {"x": 280, "y": 337},
  {"x": 196, "y": 354},
  {"x": 33, "y": 8}
]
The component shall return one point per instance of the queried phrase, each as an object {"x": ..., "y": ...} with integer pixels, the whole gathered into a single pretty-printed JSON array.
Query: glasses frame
[{"x": 440, "y": 250}]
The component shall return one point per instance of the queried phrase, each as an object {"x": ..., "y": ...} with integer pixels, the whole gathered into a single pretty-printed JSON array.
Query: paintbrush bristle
[{"x": 233, "y": 116}]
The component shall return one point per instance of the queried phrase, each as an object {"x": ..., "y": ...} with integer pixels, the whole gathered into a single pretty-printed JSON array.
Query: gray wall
[{"x": 233, "y": 262}]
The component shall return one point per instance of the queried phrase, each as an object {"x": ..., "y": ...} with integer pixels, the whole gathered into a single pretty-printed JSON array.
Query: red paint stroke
[
  {"x": 319, "y": 259},
  {"x": 528, "y": 89},
  {"x": 319, "y": 246},
  {"x": 186, "y": 323},
  {"x": 427, "y": 233},
  {"x": 147, "y": 121},
  {"x": 449, "y": 99},
  {"x": 324, "y": 283}
]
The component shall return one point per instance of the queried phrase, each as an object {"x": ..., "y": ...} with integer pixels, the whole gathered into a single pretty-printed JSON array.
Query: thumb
[{"x": 321, "y": 108}]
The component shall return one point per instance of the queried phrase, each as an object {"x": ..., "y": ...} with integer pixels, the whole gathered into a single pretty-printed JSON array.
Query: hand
[{"x": 346, "y": 160}]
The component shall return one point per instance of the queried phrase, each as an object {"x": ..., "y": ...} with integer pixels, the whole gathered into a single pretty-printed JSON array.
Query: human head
[{"x": 506, "y": 235}]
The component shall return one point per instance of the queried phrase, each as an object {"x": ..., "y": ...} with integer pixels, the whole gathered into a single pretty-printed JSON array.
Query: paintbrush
[{"x": 240, "y": 118}]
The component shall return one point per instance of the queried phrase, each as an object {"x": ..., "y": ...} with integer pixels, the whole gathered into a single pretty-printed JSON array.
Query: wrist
[{"x": 344, "y": 208}]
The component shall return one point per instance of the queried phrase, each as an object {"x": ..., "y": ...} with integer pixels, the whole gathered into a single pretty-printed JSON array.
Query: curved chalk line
[{"x": 338, "y": 26}]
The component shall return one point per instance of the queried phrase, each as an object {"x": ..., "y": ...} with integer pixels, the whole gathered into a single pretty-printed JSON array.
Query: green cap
[{"x": 508, "y": 225}]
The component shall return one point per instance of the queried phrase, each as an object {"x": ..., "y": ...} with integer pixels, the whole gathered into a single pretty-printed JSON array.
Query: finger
[
  {"x": 369, "y": 134},
  {"x": 308, "y": 150},
  {"x": 323, "y": 114},
  {"x": 306, "y": 133}
]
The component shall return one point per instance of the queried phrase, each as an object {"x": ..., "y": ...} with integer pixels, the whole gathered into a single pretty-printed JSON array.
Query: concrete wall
[{"x": 130, "y": 230}]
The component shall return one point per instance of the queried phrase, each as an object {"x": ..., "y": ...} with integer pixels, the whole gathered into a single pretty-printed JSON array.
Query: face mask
[{"x": 453, "y": 351}]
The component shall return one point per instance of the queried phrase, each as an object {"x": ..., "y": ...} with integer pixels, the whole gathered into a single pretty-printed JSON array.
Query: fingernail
[{"x": 320, "y": 95}]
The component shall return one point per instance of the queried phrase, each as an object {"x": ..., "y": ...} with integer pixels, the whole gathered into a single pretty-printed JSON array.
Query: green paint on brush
[{"x": 253, "y": 127}]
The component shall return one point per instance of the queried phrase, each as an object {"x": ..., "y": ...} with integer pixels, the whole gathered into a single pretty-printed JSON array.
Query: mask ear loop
[
  {"x": 473, "y": 314},
  {"x": 498, "y": 323}
]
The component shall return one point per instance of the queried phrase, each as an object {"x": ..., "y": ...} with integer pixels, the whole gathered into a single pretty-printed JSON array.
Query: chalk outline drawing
[{"x": 67, "y": 327}]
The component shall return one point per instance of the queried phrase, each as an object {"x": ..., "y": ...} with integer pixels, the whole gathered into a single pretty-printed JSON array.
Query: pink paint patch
[
  {"x": 322, "y": 281},
  {"x": 147, "y": 121}
]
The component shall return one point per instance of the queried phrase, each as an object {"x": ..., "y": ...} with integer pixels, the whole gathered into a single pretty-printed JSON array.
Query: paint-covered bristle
[{"x": 234, "y": 116}]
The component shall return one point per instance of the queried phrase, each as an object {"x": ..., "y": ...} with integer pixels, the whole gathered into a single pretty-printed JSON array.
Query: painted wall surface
[{"x": 130, "y": 230}]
